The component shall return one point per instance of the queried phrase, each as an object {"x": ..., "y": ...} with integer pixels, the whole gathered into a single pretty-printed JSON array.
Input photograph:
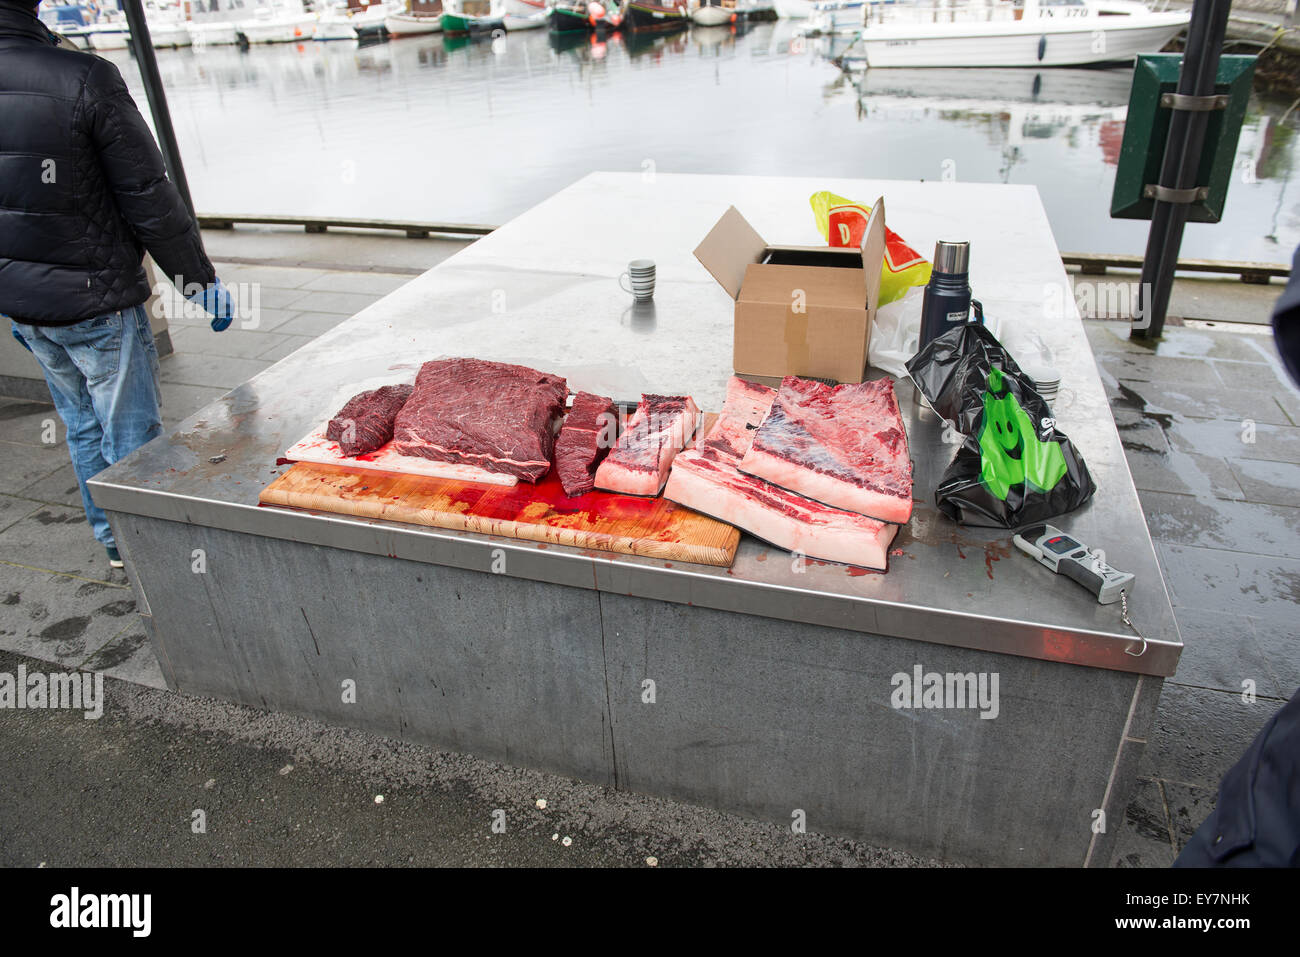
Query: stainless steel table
[{"x": 769, "y": 678}]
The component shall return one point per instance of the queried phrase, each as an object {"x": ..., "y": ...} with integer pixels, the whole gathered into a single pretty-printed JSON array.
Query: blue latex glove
[{"x": 216, "y": 301}]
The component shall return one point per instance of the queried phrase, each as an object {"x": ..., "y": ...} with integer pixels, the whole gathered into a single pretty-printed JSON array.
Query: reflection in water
[{"x": 479, "y": 129}]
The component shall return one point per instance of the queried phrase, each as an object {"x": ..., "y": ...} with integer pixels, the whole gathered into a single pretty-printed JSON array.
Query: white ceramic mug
[{"x": 641, "y": 278}]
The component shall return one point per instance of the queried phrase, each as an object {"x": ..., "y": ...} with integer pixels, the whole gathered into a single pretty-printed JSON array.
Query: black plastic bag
[{"x": 1013, "y": 467}]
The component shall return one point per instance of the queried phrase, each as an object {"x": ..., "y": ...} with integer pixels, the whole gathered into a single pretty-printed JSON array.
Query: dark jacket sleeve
[
  {"x": 1286, "y": 321},
  {"x": 137, "y": 177},
  {"x": 1256, "y": 819}
]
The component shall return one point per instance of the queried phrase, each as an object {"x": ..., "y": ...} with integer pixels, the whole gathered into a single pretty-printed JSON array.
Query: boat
[
  {"x": 369, "y": 19},
  {"x": 793, "y": 9},
  {"x": 108, "y": 31},
  {"x": 167, "y": 25},
  {"x": 420, "y": 17},
  {"x": 1010, "y": 33},
  {"x": 214, "y": 22},
  {"x": 334, "y": 23},
  {"x": 523, "y": 9},
  {"x": 757, "y": 11},
  {"x": 584, "y": 16},
  {"x": 71, "y": 21},
  {"x": 715, "y": 13},
  {"x": 838, "y": 16},
  {"x": 646, "y": 14},
  {"x": 524, "y": 14},
  {"x": 606, "y": 16},
  {"x": 533, "y": 21},
  {"x": 570, "y": 16},
  {"x": 462, "y": 17},
  {"x": 278, "y": 21}
]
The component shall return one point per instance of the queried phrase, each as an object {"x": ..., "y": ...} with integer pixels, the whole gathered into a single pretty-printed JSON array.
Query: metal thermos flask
[{"x": 947, "y": 301}]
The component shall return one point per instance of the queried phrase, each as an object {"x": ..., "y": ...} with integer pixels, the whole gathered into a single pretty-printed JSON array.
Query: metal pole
[
  {"x": 153, "y": 89},
  {"x": 1181, "y": 162}
]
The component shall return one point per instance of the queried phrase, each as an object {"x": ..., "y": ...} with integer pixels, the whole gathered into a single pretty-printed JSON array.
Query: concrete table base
[{"x": 775, "y": 720}]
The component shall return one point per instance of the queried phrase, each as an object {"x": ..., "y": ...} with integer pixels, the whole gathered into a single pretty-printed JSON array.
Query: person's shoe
[{"x": 115, "y": 558}]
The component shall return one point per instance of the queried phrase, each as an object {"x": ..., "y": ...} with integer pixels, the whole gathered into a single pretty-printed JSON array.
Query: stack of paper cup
[{"x": 641, "y": 276}]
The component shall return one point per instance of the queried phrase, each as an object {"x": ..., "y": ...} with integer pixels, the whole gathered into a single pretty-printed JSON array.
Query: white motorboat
[
  {"x": 167, "y": 25},
  {"x": 69, "y": 20},
  {"x": 794, "y": 9},
  {"x": 212, "y": 33},
  {"x": 838, "y": 16},
  {"x": 524, "y": 14},
  {"x": 1004, "y": 33},
  {"x": 369, "y": 19},
  {"x": 420, "y": 17},
  {"x": 214, "y": 22},
  {"x": 109, "y": 31},
  {"x": 279, "y": 23},
  {"x": 714, "y": 13},
  {"x": 333, "y": 23}
]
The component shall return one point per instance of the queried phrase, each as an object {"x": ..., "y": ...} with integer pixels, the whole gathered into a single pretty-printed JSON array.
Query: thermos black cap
[{"x": 951, "y": 257}]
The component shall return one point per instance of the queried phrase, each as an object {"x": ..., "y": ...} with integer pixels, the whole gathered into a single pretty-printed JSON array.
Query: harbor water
[{"x": 453, "y": 130}]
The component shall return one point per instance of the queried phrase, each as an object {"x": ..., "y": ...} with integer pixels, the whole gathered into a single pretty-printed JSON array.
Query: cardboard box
[{"x": 800, "y": 310}]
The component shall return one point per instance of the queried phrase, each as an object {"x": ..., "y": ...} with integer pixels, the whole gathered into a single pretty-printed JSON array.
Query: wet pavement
[{"x": 1212, "y": 434}]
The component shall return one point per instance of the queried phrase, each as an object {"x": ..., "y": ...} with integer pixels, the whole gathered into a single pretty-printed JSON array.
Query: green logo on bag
[{"x": 1011, "y": 453}]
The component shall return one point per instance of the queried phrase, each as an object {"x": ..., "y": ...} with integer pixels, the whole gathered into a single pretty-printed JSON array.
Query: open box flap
[
  {"x": 873, "y": 253},
  {"x": 731, "y": 245}
]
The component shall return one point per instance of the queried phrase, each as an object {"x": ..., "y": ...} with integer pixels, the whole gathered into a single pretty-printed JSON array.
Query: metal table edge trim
[{"x": 604, "y": 572}]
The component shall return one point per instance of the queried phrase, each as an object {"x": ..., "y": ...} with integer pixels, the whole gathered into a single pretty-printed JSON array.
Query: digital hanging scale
[{"x": 1073, "y": 559}]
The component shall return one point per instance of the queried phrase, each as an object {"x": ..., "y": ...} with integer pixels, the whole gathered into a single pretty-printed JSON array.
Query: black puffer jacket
[{"x": 83, "y": 188}]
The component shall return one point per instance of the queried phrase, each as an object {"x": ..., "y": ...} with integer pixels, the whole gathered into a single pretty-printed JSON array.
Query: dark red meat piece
[{"x": 366, "y": 422}]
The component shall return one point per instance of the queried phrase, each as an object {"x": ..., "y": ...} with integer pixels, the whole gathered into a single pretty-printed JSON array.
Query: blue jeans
[{"x": 103, "y": 377}]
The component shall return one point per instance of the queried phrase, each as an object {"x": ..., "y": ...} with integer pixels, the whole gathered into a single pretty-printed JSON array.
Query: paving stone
[
  {"x": 344, "y": 303},
  {"x": 285, "y": 277},
  {"x": 1106, "y": 336},
  {"x": 1144, "y": 839},
  {"x": 1139, "y": 432},
  {"x": 1227, "y": 347},
  {"x": 1279, "y": 643},
  {"x": 21, "y": 464},
  {"x": 1273, "y": 483},
  {"x": 1188, "y": 806},
  {"x": 235, "y": 343},
  {"x": 1220, "y": 652},
  {"x": 1180, "y": 343},
  {"x": 128, "y": 656},
  {"x": 28, "y": 423},
  {"x": 1215, "y": 523},
  {"x": 1148, "y": 368},
  {"x": 58, "y": 488},
  {"x": 311, "y": 323},
  {"x": 60, "y": 619},
  {"x": 208, "y": 370},
  {"x": 1180, "y": 472},
  {"x": 1266, "y": 587},
  {"x": 1213, "y": 401},
  {"x": 288, "y": 346},
  {"x": 57, "y": 538},
  {"x": 12, "y": 509},
  {"x": 1199, "y": 734},
  {"x": 277, "y": 298},
  {"x": 366, "y": 283},
  {"x": 1234, "y": 440}
]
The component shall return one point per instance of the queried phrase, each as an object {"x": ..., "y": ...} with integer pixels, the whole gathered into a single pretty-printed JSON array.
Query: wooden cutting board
[{"x": 630, "y": 524}]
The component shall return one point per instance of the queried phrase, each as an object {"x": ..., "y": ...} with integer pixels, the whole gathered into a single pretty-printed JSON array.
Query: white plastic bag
[{"x": 896, "y": 333}]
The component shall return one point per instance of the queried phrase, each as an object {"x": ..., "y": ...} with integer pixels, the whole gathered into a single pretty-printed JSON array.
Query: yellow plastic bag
[{"x": 843, "y": 223}]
